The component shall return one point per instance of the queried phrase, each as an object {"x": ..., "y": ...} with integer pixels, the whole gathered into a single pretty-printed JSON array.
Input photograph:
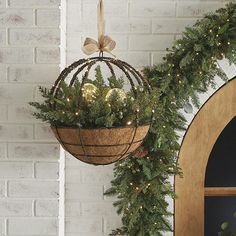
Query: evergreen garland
[{"x": 142, "y": 185}]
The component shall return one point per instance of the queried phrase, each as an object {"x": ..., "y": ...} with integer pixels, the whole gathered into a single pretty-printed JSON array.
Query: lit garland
[{"x": 142, "y": 185}]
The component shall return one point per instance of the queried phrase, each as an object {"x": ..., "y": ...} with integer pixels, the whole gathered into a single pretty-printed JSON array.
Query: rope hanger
[{"x": 104, "y": 43}]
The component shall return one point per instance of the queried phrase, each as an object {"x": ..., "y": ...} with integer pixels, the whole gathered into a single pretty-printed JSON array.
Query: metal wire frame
[{"x": 87, "y": 64}]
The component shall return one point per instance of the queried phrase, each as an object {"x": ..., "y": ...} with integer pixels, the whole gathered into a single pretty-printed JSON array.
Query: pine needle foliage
[
  {"x": 96, "y": 104},
  {"x": 142, "y": 186}
]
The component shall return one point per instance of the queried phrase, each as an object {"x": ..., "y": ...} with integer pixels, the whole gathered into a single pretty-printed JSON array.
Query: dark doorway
[{"x": 221, "y": 172}]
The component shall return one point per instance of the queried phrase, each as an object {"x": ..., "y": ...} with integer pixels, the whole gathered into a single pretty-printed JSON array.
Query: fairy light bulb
[{"x": 129, "y": 122}]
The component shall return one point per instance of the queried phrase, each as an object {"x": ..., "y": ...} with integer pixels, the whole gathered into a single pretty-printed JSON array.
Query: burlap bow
[{"x": 104, "y": 43}]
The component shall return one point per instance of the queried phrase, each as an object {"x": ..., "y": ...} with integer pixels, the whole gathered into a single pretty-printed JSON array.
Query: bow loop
[{"x": 90, "y": 46}]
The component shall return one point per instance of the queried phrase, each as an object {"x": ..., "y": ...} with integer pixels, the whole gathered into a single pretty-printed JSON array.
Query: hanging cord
[{"x": 105, "y": 43}]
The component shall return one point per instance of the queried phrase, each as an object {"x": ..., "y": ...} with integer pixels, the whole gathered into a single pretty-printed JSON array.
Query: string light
[
  {"x": 77, "y": 113},
  {"x": 228, "y": 43},
  {"x": 210, "y": 30},
  {"x": 129, "y": 122},
  {"x": 67, "y": 99},
  {"x": 131, "y": 184}
]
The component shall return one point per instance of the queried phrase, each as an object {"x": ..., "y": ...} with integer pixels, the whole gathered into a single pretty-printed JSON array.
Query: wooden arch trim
[{"x": 197, "y": 145}]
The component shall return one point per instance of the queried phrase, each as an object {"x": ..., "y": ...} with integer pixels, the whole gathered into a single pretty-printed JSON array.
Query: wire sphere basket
[{"x": 101, "y": 146}]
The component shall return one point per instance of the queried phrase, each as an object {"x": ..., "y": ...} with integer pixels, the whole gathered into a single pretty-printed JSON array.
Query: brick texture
[{"x": 29, "y": 57}]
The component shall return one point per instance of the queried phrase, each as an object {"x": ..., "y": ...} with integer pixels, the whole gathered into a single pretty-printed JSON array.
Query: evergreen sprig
[
  {"x": 226, "y": 228},
  {"x": 142, "y": 186},
  {"x": 96, "y": 104}
]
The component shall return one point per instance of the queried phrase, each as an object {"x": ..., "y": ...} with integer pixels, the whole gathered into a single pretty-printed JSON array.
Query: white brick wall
[
  {"x": 142, "y": 30},
  {"x": 29, "y": 56}
]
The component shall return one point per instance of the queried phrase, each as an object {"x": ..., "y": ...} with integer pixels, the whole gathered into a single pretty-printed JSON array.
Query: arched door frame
[{"x": 196, "y": 147}]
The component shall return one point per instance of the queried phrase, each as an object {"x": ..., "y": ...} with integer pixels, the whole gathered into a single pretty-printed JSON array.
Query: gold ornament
[
  {"x": 120, "y": 92},
  {"x": 89, "y": 92}
]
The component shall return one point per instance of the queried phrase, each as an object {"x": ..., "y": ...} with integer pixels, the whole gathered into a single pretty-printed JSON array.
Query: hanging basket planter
[
  {"x": 98, "y": 122},
  {"x": 101, "y": 146}
]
